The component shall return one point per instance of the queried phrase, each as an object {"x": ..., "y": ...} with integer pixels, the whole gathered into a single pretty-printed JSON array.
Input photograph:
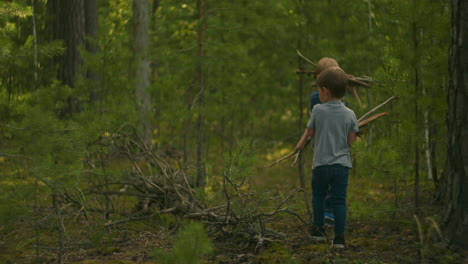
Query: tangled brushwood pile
[{"x": 158, "y": 184}]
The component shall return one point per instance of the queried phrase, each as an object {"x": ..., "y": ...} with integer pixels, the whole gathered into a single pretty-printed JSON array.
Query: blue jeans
[{"x": 331, "y": 179}]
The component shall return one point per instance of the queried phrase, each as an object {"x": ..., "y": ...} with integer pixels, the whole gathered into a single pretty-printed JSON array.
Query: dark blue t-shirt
[{"x": 314, "y": 99}]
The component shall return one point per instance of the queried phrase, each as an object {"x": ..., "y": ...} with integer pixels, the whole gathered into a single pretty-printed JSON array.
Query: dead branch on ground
[{"x": 161, "y": 186}]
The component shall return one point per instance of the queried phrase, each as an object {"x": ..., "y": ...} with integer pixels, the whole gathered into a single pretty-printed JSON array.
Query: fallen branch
[{"x": 165, "y": 211}]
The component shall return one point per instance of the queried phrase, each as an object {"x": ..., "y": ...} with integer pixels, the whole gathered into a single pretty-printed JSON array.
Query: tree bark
[
  {"x": 68, "y": 25},
  {"x": 71, "y": 30},
  {"x": 417, "y": 86},
  {"x": 301, "y": 84},
  {"x": 455, "y": 224},
  {"x": 91, "y": 29},
  {"x": 142, "y": 69},
  {"x": 301, "y": 113}
]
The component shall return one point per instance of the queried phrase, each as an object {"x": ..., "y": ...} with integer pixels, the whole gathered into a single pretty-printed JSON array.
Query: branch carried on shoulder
[
  {"x": 370, "y": 119},
  {"x": 376, "y": 108},
  {"x": 362, "y": 122}
]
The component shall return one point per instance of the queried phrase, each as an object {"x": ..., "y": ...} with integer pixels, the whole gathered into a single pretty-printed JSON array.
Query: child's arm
[
  {"x": 351, "y": 138},
  {"x": 308, "y": 133}
]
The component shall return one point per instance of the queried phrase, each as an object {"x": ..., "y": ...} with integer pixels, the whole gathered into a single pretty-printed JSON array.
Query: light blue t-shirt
[{"x": 332, "y": 122}]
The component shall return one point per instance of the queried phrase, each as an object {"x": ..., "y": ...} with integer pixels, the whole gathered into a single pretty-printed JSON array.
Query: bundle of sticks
[{"x": 363, "y": 81}]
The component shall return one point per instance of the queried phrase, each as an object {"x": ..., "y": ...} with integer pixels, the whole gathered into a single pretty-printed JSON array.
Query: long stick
[
  {"x": 370, "y": 119},
  {"x": 306, "y": 59},
  {"x": 358, "y": 81},
  {"x": 283, "y": 158},
  {"x": 361, "y": 123},
  {"x": 376, "y": 108}
]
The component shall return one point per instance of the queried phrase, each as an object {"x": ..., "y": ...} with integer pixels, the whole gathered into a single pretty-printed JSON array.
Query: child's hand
[
  {"x": 298, "y": 148},
  {"x": 360, "y": 133}
]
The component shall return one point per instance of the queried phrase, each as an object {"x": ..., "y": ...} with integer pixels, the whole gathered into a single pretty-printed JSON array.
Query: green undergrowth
[{"x": 380, "y": 228}]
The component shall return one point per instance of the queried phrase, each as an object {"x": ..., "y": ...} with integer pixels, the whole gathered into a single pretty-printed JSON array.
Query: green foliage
[
  {"x": 276, "y": 253},
  {"x": 250, "y": 91},
  {"x": 190, "y": 246},
  {"x": 239, "y": 164},
  {"x": 167, "y": 221},
  {"x": 10, "y": 211},
  {"x": 14, "y": 9}
]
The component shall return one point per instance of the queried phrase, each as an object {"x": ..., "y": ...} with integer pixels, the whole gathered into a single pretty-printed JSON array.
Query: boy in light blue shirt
[{"x": 334, "y": 127}]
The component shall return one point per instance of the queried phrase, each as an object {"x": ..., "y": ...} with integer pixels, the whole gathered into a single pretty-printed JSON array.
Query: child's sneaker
[
  {"x": 329, "y": 216},
  {"x": 318, "y": 233},
  {"x": 338, "y": 242},
  {"x": 329, "y": 219}
]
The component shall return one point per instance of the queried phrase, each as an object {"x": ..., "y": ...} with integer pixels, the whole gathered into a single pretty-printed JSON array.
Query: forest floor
[{"x": 377, "y": 232}]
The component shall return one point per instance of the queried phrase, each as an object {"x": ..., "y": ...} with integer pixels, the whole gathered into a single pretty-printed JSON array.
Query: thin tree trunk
[
  {"x": 201, "y": 181},
  {"x": 368, "y": 92},
  {"x": 301, "y": 114},
  {"x": 58, "y": 214},
  {"x": 142, "y": 69},
  {"x": 36, "y": 213},
  {"x": 427, "y": 145},
  {"x": 35, "y": 43},
  {"x": 188, "y": 122},
  {"x": 154, "y": 70},
  {"x": 433, "y": 145},
  {"x": 416, "y": 117},
  {"x": 36, "y": 182},
  {"x": 91, "y": 28},
  {"x": 301, "y": 169}
]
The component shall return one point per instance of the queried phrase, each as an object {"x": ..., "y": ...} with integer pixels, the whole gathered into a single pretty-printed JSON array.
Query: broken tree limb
[
  {"x": 358, "y": 82},
  {"x": 361, "y": 123},
  {"x": 370, "y": 119},
  {"x": 376, "y": 108},
  {"x": 306, "y": 59},
  {"x": 283, "y": 158},
  {"x": 363, "y": 81}
]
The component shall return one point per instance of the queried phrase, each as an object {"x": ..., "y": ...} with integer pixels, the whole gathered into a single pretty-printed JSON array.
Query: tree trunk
[
  {"x": 91, "y": 28},
  {"x": 142, "y": 69},
  {"x": 301, "y": 167},
  {"x": 417, "y": 86},
  {"x": 368, "y": 91},
  {"x": 301, "y": 115},
  {"x": 455, "y": 224},
  {"x": 69, "y": 26},
  {"x": 201, "y": 85},
  {"x": 188, "y": 122},
  {"x": 71, "y": 30},
  {"x": 432, "y": 134},
  {"x": 36, "y": 65}
]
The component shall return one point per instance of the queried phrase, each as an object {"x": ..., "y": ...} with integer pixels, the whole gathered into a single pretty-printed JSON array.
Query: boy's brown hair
[
  {"x": 325, "y": 63},
  {"x": 335, "y": 79}
]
